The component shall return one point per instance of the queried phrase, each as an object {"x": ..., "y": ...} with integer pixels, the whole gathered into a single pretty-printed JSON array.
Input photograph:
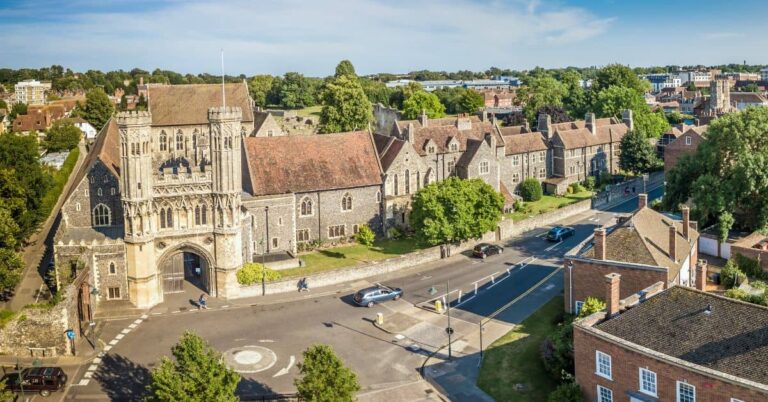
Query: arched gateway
[{"x": 185, "y": 267}]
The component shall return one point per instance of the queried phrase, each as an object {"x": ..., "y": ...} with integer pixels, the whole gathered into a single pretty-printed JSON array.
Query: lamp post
[
  {"x": 92, "y": 333},
  {"x": 449, "y": 330}
]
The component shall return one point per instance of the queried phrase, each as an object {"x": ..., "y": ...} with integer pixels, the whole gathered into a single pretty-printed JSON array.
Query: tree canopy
[
  {"x": 345, "y": 105},
  {"x": 62, "y": 136},
  {"x": 422, "y": 100},
  {"x": 540, "y": 92},
  {"x": 617, "y": 75},
  {"x": 259, "y": 87},
  {"x": 293, "y": 91},
  {"x": 455, "y": 209},
  {"x": 460, "y": 100},
  {"x": 637, "y": 154},
  {"x": 345, "y": 68},
  {"x": 324, "y": 377},
  {"x": 98, "y": 109},
  {"x": 197, "y": 373}
]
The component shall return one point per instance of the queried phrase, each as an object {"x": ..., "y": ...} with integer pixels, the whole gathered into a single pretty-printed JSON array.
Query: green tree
[
  {"x": 470, "y": 101},
  {"x": 345, "y": 106},
  {"x": 10, "y": 268},
  {"x": 9, "y": 229},
  {"x": 422, "y": 101},
  {"x": 324, "y": 378},
  {"x": 4, "y": 394},
  {"x": 530, "y": 189},
  {"x": 728, "y": 176},
  {"x": 365, "y": 236},
  {"x": 345, "y": 68},
  {"x": 455, "y": 209},
  {"x": 98, "y": 108},
  {"x": 17, "y": 109},
  {"x": 376, "y": 91},
  {"x": 252, "y": 273},
  {"x": 123, "y": 103},
  {"x": 3, "y": 105},
  {"x": 198, "y": 373},
  {"x": 259, "y": 87},
  {"x": 612, "y": 101},
  {"x": 637, "y": 154},
  {"x": 566, "y": 392},
  {"x": 651, "y": 124},
  {"x": 619, "y": 76},
  {"x": 540, "y": 92},
  {"x": 292, "y": 91},
  {"x": 591, "y": 305},
  {"x": 62, "y": 136}
]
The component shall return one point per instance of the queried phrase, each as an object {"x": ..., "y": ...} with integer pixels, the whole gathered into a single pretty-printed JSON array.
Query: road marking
[
  {"x": 524, "y": 294},
  {"x": 125, "y": 331},
  {"x": 157, "y": 313},
  {"x": 119, "y": 337},
  {"x": 113, "y": 342},
  {"x": 553, "y": 246},
  {"x": 225, "y": 306},
  {"x": 107, "y": 348},
  {"x": 97, "y": 360},
  {"x": 93, "y": 367},
  {"x": 423, "y": 278},
  {"x": 287, "y": 369},
  {"x": 144, "y": 317},
  {"x": 138, "y": 321},
  {"x": 175, "y": 312},
  {"x": 132, "y": 326},
  {"x": 39, "y": 291},
  {"x": 266, "y": 340},
  {"x": 88, "y": 374},
  {"x": 84, "y": 382}
]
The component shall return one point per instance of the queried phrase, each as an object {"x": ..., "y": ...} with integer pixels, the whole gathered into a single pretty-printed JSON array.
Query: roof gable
[{"x": 179, "y": 105}]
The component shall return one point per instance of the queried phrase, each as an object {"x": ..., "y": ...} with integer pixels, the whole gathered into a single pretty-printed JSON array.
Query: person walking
[{"x": 202, "y": 302}]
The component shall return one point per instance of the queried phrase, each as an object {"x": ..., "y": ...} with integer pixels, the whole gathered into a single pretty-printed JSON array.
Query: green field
[
  {"x": 309, "y": 111},
  {"x": 548, "y": 203},
  {"x": 514, "y": 359}
]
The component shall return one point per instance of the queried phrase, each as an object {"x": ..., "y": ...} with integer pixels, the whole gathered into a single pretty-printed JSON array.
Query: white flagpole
[{"x": 223, "y": 93}]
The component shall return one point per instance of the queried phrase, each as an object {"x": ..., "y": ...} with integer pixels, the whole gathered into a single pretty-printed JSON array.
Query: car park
[
  {"x": 376, "y": 294},
  {"x": 42, "y": 380},
  {"x": 560, "y": 233},
  {"x": 483, "y": 250}
]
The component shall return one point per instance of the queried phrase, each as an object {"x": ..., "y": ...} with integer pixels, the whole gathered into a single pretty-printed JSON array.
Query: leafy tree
[
  {"x": 591, "y": 305},
  {"x": 17, "y": 109},
  {"x": 470, "y": 101},
  {"x": 3, "y": 105},
  {"x": 423, "y": 100},
  {"x": 62, "y": 136},
  {"x": 259, "y": 87},
  {"x": 345, "y": 106},
  {"x": 98, "y": 108},
  {"x": 731, "y": 275},
  {"x": 376, "y": 91},
  {"x": 651, "y": 124},
  {"x": 10, "y": 268},
  {"x": 612, "y": 101},
  {"x": 578, "y": 102},
  {"x": 123, "y": 103},
  {"x": 540, "y": 92},
  {"x": 9, "y": 229},
  {"x": 324, "y": 378},
  {"x": 23, "y": 183},
  {"x": 751, "y": 87},
  {"x": 345, "y": 68},
  {"x": 400, "y": 94},
  {"x": 4, "y": 394},
  {"x": 637, "y": 154},
  {"x": 557, "y": 350},
  {"x": 530, "y": 189},
  {"x": 292, "y": 91},
  {"x": 455, "y": 209},
  {"x": 365, "y": 236},
  {"x": 619, "y": 76},
  {"x": 197, "y": 374},
  {"x": 566, "y": 392},
  {"x": 556, "y": 113}
]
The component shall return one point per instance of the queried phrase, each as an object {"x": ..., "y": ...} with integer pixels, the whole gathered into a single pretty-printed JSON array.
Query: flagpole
[{"x": 223, "y": 93}]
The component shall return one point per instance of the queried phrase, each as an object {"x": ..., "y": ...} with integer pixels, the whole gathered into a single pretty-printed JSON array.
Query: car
[
  {"x": 483, "y": 250},
  {"x": 560, "y": 233},
  {"x": 376, "y": 294},
  {"x": 43, "y": 380}
]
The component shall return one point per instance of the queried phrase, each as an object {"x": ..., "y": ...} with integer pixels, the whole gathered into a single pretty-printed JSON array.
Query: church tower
[
  {"x": 720, "y": 97},
  {"x": 226, "y": 187},
  {"x": 136, "y": 194}
]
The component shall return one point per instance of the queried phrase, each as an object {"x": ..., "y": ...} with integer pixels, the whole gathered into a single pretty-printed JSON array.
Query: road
[{"x": 273, "y": 336}]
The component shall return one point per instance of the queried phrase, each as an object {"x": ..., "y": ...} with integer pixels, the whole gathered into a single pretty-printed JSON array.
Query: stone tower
[
  {"x": 226, "y": 187},
  {"x": 136, "y": 195},
  {"x": 720, "y": 97}
]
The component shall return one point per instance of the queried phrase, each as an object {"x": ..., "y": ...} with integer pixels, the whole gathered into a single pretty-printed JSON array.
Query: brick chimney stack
[
  {"x": 673, "y": 242},
  {"x": 423, "y": 119},
  {"x": 409, "y": 133},
  {"x": 544, "y": 124},
  {"x": 686, "y": 221},
  {"x": 642, "y": 201},
  {"x": 590, "y": 123},
  {"x": 701, "y": 275},
  {"x": 600, "y": 246},
  {"x": 612, "y": 294}
]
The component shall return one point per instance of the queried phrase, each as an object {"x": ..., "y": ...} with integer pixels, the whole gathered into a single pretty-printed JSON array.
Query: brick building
[
  {"x": 685, "y": 143},
  {"x": 753, "y": 246},
  {"x": 38, "y": 118},
  {"x": 679, "y": 344},
  {"x": 500, "y": 98},
  {"x": 646, "y": 248}
]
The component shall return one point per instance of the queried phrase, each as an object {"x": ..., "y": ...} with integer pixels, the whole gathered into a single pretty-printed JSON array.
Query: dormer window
[{"x": 453, "y": 147}]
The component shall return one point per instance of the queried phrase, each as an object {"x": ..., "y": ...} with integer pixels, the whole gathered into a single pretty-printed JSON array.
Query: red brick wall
[
  {"x": 626, "y": 365},
  {"x": 753, "y": 253},
  {"x": 589, "y": 280},
  {"x": 676, "y": 149}
]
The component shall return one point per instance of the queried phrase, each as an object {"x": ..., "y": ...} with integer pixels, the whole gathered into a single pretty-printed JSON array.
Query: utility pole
[{"x": 449, "y": 330}]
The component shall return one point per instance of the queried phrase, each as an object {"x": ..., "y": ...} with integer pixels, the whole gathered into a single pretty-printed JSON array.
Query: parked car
[
  {"x": 43, "y": 380},
  {"x": 483, "y": 250},
  {"x": 560, "y": 233},
  {"x": 376, "y": 294}
]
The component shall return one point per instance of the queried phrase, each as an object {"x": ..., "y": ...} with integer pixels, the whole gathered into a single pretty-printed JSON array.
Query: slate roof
[
  {"x": 106, "y": 149},
  {"x": 525, "y": 142},
  {"x": 388, "y": 148},
  {"x": 732, "y": 339},
  {"x": 644, "y": 239},
  {"x": 575, "y": 134},
  {"x": 178, "y": 105},
  {"x": 297, "y": 164}
]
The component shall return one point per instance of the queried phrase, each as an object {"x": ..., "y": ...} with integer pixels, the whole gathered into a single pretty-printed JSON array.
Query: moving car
[
  {"x": 43, "y": 380},
  {"x": 376, "y": 294},
  {"x": 560, "y": 233},
  {"x": 483, "y": 250}
]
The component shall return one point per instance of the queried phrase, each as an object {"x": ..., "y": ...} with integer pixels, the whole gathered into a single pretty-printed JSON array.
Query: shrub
[
  {"x": 590, "y": 183},
  {"x": 531, "y": 190},
  {"x": 748, "y": 266},
  {"x": 519, "y": 205},
  {"x": 557, "y": 350},
  {"x": 395, "y": 233},
  {"x": 365, "y": 236},
  {"x": 731, "y": 275},
  {"x": 569, "y": 190},
  {"x": 252, "y": 273},
  {"x": 566, "y": 392},
  {"x": 591, "y": 305},
  {"x": 576, "y": 188}
]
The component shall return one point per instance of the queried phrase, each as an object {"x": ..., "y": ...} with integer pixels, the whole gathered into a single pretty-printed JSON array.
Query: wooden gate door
[{"x": 173, "y": 274}]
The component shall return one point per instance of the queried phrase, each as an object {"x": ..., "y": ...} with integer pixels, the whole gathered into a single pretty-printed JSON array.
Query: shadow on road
[{"x": 122, "y": 379}]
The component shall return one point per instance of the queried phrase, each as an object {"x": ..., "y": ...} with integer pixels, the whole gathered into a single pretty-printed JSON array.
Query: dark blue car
[
  {"x": 376, "y": 294},
  {"x": 560, "y": 233}
]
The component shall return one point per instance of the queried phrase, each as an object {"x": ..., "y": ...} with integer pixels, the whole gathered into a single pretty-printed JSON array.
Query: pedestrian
[
  {"x": 303, "y": 285},
  {"x": 201, "y": 302}
]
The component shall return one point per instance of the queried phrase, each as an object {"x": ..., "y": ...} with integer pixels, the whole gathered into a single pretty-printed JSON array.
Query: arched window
[
  {"x": 166, "y": 218},
  {"x": 418, "y": 180},
  {"x": 306, "y": 207},
  {"x": 194, "y": 139},
  {"x": 98, "y": 192},
  {"x": 407, "y": 181},
  {"x": 204, "y": 215},
  {"x": 428, "y": 177},
  {"x": 179, "y": 141},
  {"x": 197, "y": 215},
  {"x": 397, "y": 187},
  {"x": 378, "y": 196},
  {"x": 102, "y": 216},
  {"x": 112, "y": 191},
  {"x": 346, "y": 202},
  {"x": 112, "y": 268},
  {"x": 163, "y": 141}
]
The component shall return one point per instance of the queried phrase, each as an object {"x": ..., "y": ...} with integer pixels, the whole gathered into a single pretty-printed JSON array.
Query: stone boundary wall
[
  {"x": 40, "y": 332},
  {"x": 507, "y": 229}
]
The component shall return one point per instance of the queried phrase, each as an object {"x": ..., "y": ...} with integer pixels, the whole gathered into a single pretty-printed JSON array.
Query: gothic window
[
  {"x": 197, "y": 215},
  {"x": 454, "y": 147},
  {"x": 397, "y": 189},
  {"x": 418, "y": 180},
  {"x": 98, "y": 192},
  {"x": 431, "y": 149},
  {"x": 450, "y": 167},
  {"x": 166, "y": 218},
  {"x": 407, "y": 181},
  {"x": 101, "y": 215},
  {"x": 515, "y": 177},
  {"x": 204, "y": 213},
  {"x": 179, "y": 141},
  {"x": 163, "y": 141},
  {"x": 112, "y": 268},
  {"x": 77, "y": 206},
  {"x": 112, "y": 191},
  {"x": 274, "y": 242},
  {"x": 194, "y": 140},
  {"x": 306, "y": 207},
  {"x": 302, "y": 235},
  {"x": 378, "y": 196},
  {"x": 355, "y": 229},
  {"x": 336, "y": 231},
  {"x": 428, "y": 177},
  {"x": 113, "y": 293},
  {"x": 346, "y": 202}
]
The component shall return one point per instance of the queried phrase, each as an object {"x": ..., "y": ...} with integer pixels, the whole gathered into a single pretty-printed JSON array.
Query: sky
[{"x": 395, "y": 36}]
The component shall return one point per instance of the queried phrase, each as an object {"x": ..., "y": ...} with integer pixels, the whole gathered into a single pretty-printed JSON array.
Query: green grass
[
  {"x": 59, "y": 181},
  {"x": 6, "y": 316},
  {"x": 348, "y": 256},
  {"x": 514, "y": 359},
  {"x": 548, "y": 203},
  {"x": 309, "y": 111}
]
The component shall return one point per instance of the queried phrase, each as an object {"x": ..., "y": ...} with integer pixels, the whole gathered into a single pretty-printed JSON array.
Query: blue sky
[{"x": 275, "y": 36}]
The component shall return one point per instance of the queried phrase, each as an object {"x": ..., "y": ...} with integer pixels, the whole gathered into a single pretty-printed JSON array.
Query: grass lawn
[
  {"x": 549, "y": 203},
  {"x": 6, "y": 316},
  {"x": 514, "y": 359},
  {"x": 347, "y": 256},
  {"x": 309, "y": 111}
]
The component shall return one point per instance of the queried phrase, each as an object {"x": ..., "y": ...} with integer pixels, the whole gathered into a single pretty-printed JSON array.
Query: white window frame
[
  {"x": 736, "y": 400},
  {"x": 642, "y": 388},
  {"x": 515, "y": 160},
  {"x": 484, "y": 167},
  {"x": 598, "y": 354},
  {"x": 578, "y": 305},
  {"x": 688, "y": 140},
  {"x": 600, "y": 395},
  {"x": 677, "y": 390}
]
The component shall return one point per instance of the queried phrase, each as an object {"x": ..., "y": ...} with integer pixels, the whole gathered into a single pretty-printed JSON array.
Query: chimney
[
  {"x": 626, "y": 116},
  {"x": 590, "y": 123},
  {"x": 673, "y": 242},
  {"x": 484, "y": 115},
  {"x": 544, "y": 125},
  {"x": 612, "y": 294},
  {"x": 686, "y": 221},
  {"x": 423, "y": 118},
  {"x": 701, "y": 275},
  {"x": 600, "y": 247},
  {"x": 141, "y": 80},
  {"x": 694, "y": 225},
  {"x": 409, "y": 133},
  {"x": 491, "y": 140},
  {"x": 527, "y": 126},
  {"x": 642, "y": 201}
]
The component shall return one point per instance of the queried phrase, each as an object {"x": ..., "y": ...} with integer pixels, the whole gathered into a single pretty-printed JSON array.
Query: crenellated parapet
[
  {"x": 225, "y": 113},
  {"x": 134, "y": 118}
]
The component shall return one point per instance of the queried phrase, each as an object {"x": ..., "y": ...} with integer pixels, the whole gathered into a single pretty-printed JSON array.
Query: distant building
[
  {"x": 31, "y": 92},
  {"x": 743, "y": 100},
  {"x": 513, "y": 81},
  {"x": 432, "y": 85},
  {"x": 764, "y": 74},
  {"x": 661, "y": 81},
  {"x": 686, "y": 141},
  {"x": 265, "y": 125},
  {"x": 499, "y": 98},
  {"x": 694, "y": 77},
  {"x": 38, "y": 118},
  {"x": 89, "y": 132},
  {"x": 738, "y": 76}
]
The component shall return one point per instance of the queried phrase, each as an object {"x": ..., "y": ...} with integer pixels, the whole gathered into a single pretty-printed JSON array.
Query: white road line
[
  {"x": 119, "y": 336},
  {"x": 144, "y": 317},
  {"x": 138, "y": 321},
  {"x": 553, "y": 246},
  {"x": 225, "y": 306},
  {"x": 107, "y": 348},
  {"x": 156, "y": 313},
  {"x": 39, "y": 291},
  {"x": 84, "y": 382},
  {"x": 132, "y": 326},
  {"x": 266, "y": 340},
  {"x": 125, "y": 331},
  {"x": 88, "y": 374},
  {"x": 175, "y": 312},
  {"x": 97, "y": 360},
  {"x": 93, "y": 367},
  {"x": 287, "y": 369},
  {"x": 113, "y": 342}
]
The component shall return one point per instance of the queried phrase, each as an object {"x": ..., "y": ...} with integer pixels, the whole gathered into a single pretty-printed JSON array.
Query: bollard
[
  {"x": 379, "y": 318},
  {"x": 438, "y": 306},
  {"x": 492, "y": 279},
  {"x": 460, "y": 293},
  {"x": 475, "y": 288}
]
